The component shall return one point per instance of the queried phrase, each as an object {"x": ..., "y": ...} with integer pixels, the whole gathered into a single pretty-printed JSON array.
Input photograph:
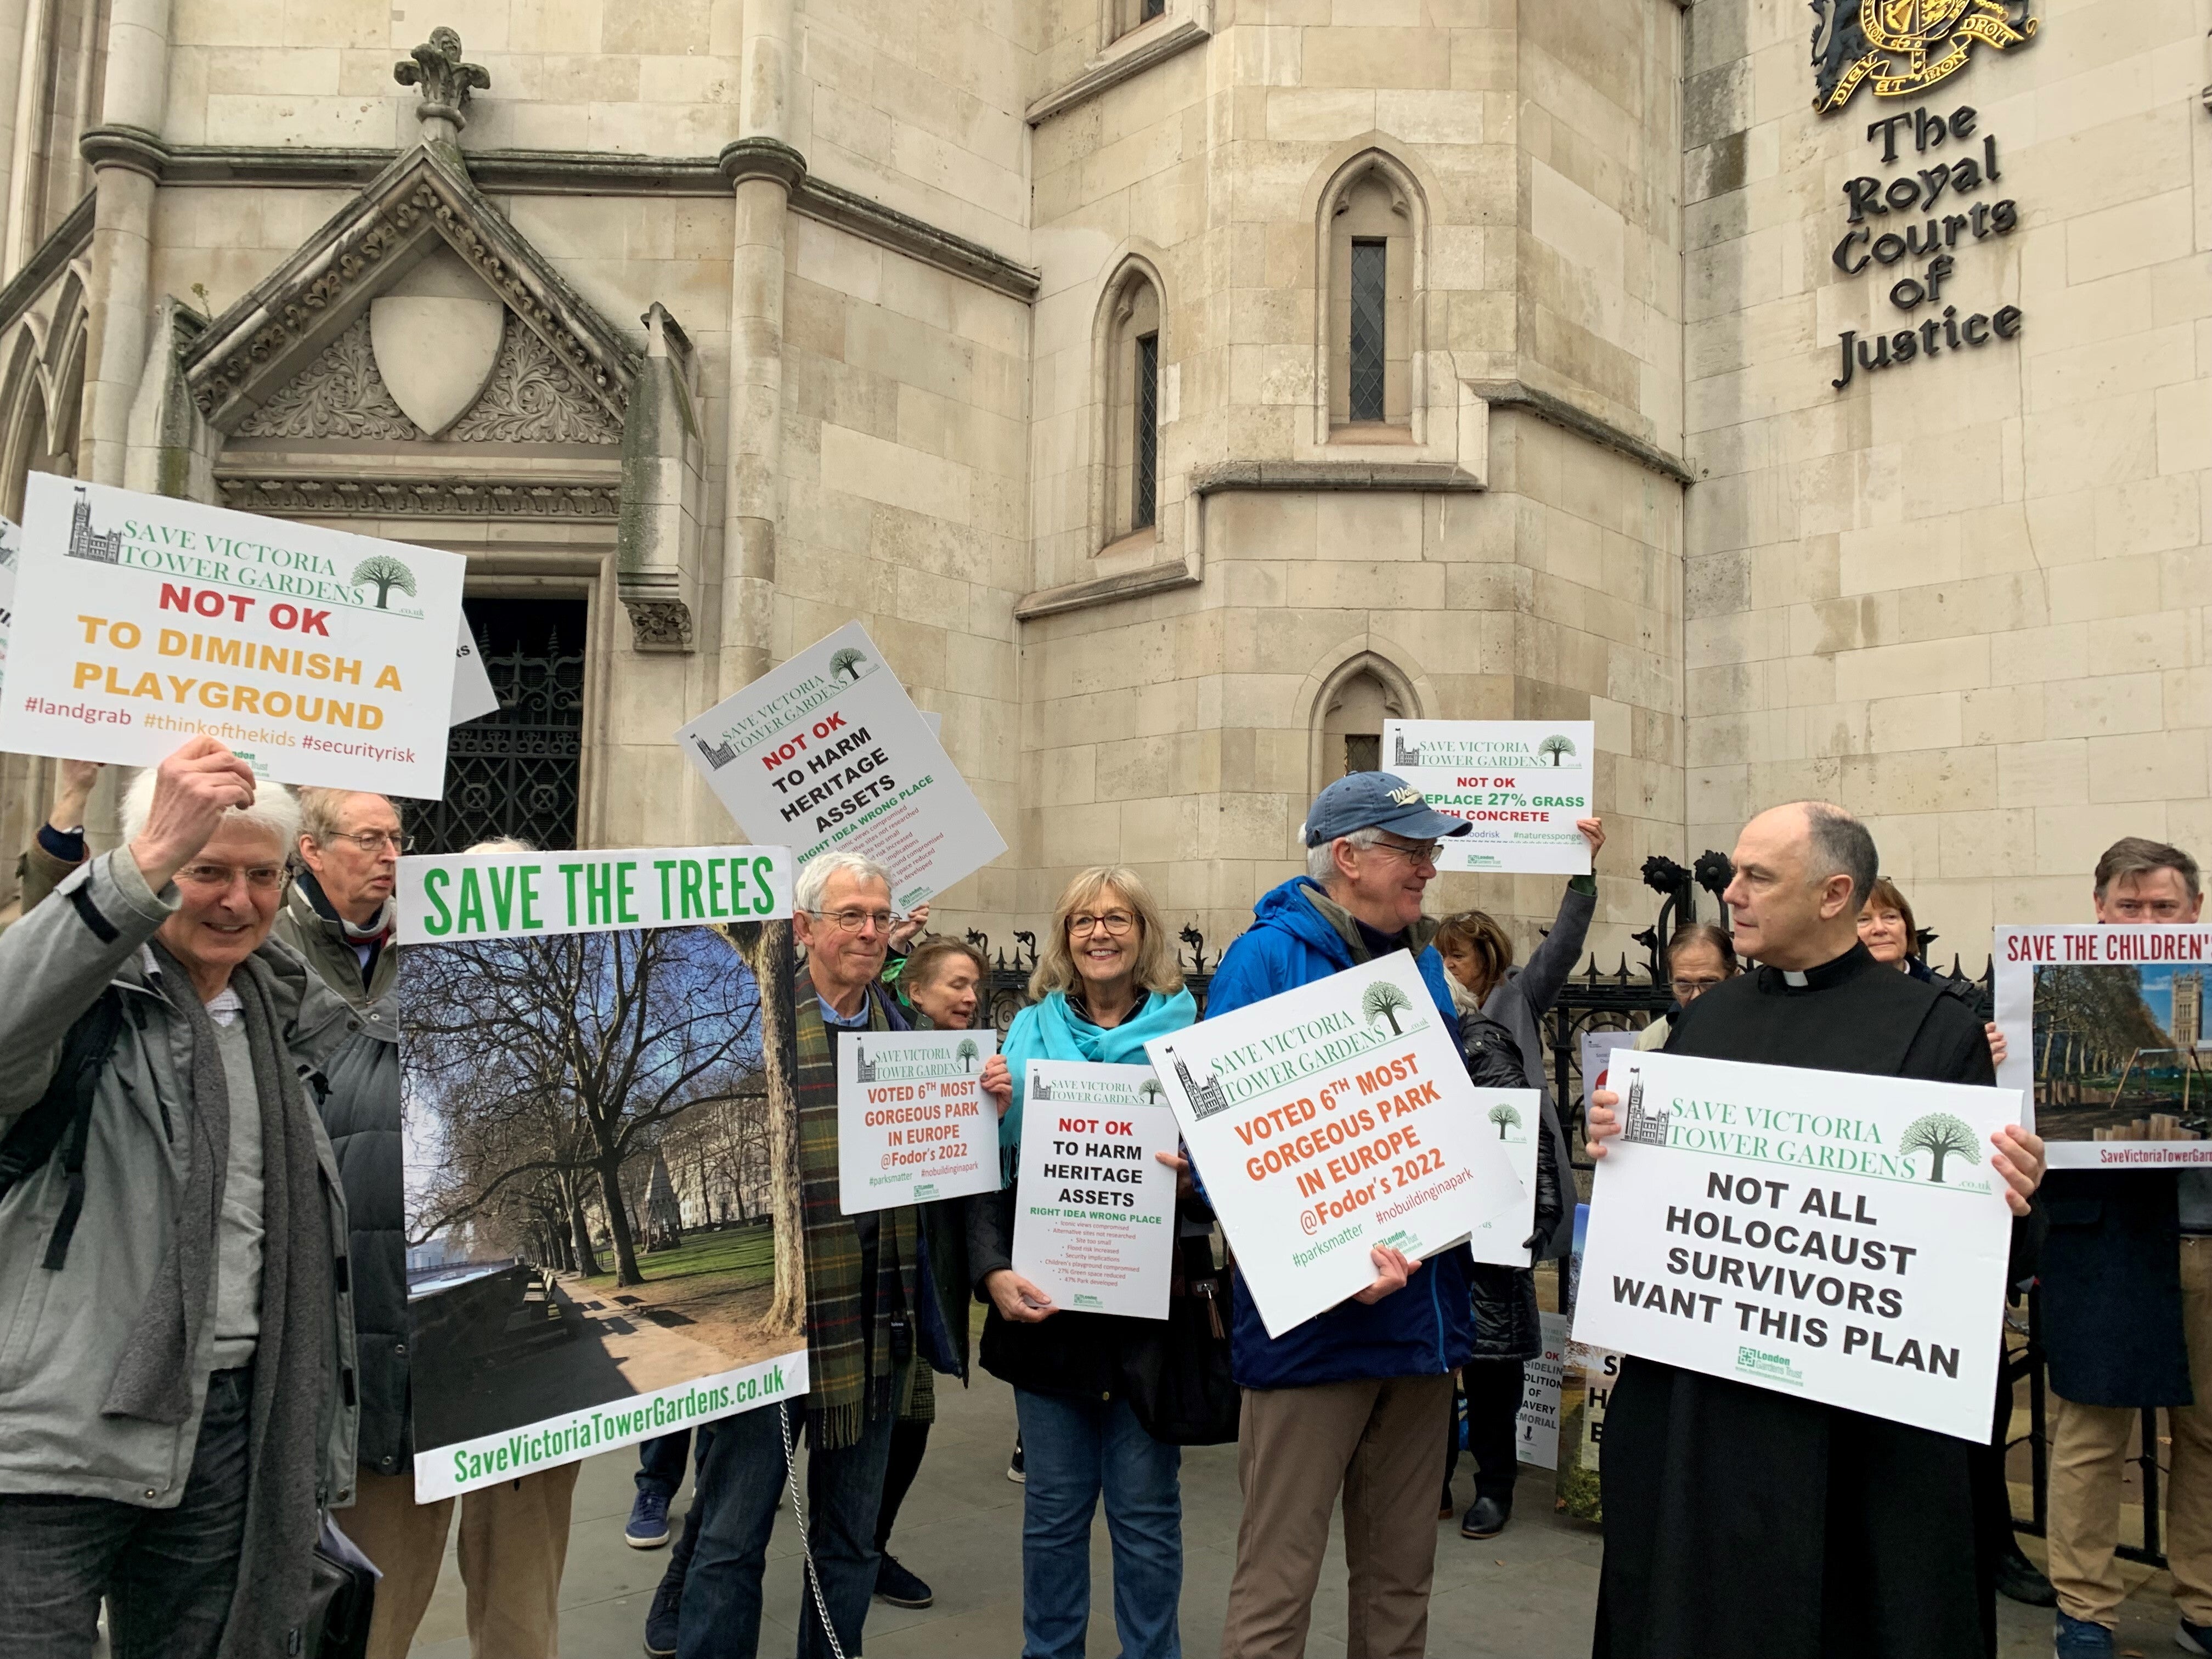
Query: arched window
[
  {"x": 1352, "y": 715},
  {"x": 1131, "y": 363},
  {"x": 1371, "y": 306}
]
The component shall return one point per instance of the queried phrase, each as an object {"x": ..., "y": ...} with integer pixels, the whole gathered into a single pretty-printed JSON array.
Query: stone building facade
[{"x": 1178, "y": 388}]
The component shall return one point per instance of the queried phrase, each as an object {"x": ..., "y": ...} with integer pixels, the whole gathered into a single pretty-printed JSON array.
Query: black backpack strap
[{"x": 61, "y": 1118}]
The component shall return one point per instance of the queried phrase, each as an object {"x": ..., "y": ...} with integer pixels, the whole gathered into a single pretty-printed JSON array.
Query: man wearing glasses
[{"x": 1350, "y": 1402}]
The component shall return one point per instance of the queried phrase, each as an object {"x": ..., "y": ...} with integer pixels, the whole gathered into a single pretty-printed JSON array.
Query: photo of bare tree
[
  {"x": 2119, "y": 1053},
  {"x": 601, "y": 1196}
]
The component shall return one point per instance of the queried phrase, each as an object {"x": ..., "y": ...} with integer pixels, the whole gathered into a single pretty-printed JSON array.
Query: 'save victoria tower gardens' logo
[{"x": 1945, "y": 196}]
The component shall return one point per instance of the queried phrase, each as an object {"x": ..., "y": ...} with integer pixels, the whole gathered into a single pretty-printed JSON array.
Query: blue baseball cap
[{"x": 1377, "y": 800}]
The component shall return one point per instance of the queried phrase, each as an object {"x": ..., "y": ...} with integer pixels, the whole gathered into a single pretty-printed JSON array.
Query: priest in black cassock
[{"x": 1742, "y": 1523}]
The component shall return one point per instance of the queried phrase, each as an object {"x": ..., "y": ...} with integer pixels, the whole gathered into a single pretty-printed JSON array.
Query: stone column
[
  {"x": 126, "y": 158},
  {"x": 22, "y": 48},
  {"x": 763, "y": 169}
]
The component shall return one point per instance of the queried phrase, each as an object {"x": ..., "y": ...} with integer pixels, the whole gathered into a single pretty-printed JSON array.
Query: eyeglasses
[
  {"x": 1413, "y": 852},
  {"x": 1689, "y": 990},
  {"x": 851, "y": 921},
  {"x": 1114, "y": 923},
  {"x": 262, "y": 877},
  {"x": 373, "y": 842}
]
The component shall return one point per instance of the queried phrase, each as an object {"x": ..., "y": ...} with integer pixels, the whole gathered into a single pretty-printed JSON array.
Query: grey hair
[
  {"x": 320, "y": 808},
  {"x": 1321, "y": 861},
  {"x": 814, "y": 879},
  {"x": 500, "y": 844},
  {"x": 275, "y": 809},
  {"x": 1841, "y": 845}
]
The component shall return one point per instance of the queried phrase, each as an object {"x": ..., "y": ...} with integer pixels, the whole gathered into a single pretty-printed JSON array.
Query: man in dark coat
[
  {"x": 1745, "y": 1524},
  {"x": 2127, "y": 1296}
]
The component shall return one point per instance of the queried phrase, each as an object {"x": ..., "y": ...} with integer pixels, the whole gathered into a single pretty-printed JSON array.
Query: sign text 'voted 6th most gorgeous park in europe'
[{"x": 1333, "y": 1118}]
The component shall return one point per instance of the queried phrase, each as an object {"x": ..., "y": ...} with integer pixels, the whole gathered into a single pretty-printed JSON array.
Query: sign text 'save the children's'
[{"x": 317, "y": 656}]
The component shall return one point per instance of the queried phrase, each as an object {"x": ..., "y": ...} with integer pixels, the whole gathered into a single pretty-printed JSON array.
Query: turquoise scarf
[{"x": 1051, "y": 1031}]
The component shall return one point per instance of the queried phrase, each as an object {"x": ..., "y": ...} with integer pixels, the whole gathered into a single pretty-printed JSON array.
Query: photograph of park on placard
[
  {"x": 2121, "y": 1053},
  {"x": 591, "y": 1173}
]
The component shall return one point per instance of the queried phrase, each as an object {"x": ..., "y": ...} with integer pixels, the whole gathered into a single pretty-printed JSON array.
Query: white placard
[
  {"x": 1516, "y": 1117},
  {"x": 1598, "y": 1051},
  {"x": 913, "y": 1124},
  {"x": 1521, "y": 783},
  {"x": 1537, "y": 1429},
  {"x": 473, "y": 696},
  {"x": 828, "y": 752},
  {"x": 1328, "y": 1119},
  {"x": 317, "y": 657},
  {"x": 2105, "y": 1038},
  {"x": 455, "y": 897},
  {"x": 1094, "y": 1218},
  {"x": 1824, "y": 1234},
  {"x": 10, "y": 541}
]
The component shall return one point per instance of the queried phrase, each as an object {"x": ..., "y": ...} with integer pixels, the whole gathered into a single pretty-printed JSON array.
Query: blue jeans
[
  {"x": 741, "y": 1470},
  {"x": 660, "y": 1462},
  {"x": 1074, "y": 1448},
  {"x": 168, "y": 1575}
]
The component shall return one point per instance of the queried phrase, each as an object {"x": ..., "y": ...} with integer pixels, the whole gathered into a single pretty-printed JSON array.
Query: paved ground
[{"x": 1527, "y": 1593}]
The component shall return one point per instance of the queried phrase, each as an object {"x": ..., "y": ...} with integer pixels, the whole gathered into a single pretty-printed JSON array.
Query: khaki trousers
[
  {"x": 514, "y": 1542},
  {"x": 2088, "y": 1449},
  {"x": 1374, "y": 1440}
]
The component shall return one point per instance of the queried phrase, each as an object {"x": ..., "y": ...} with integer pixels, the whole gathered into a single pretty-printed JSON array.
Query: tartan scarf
[{"x": 848, "y": 1385}]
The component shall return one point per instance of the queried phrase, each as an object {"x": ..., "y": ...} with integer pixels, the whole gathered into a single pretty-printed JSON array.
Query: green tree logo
[
  {"x": 1555, "y": 746},
  {"x": 846, "y": 662},
  {"x": 1150, "y": 1091},
  {"x": 1384, "y": 1000},
  {"x": 1940, "y": 1136},
  {"x": 966, "y": 1053},
  {"x": 385, "y": 573},
  {"x": 1505, "y": 1118}
]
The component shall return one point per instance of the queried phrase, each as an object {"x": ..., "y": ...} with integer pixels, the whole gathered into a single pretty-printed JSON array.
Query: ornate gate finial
[{"x": 447, "y": 82}]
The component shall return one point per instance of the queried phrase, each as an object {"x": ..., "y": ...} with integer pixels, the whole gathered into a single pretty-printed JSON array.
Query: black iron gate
[{"x": 515, "y": 772}]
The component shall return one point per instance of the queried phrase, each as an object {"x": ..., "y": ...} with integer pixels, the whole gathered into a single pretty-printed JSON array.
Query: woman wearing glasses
[
  {"x": 1105, "y": 984},
  {"x": 1479, "y": 963}
]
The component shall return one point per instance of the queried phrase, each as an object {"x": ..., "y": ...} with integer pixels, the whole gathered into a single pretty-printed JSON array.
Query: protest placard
[
  {"x": 1094, "y": 1216},
  {"x": 1598, "y": 1051},
  {"x": 490, "y": 894},
  {"x": 10, "y": 539},
  {"x": 1326, "y": 1120},
  {"x": 913, "y": 1124},
  {"x": 2105, "y": 1035},
  {"x": 317, "y": 657},
  {"x": 600, "y": 1249},
  {"x": 1517, "y": 1114},
  {"x": 473, "y": 696},
  {"x": 1832, "y": 1236},
  {"x": 1587, "y": 1375},
  {"x": 1521, "y": 783},
  {"x": 828, "y": 752},
  {"x": 1536, "y": 1429}
]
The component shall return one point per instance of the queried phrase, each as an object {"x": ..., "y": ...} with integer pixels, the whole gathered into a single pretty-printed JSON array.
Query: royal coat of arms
[{"x": 1903, "y": 47}]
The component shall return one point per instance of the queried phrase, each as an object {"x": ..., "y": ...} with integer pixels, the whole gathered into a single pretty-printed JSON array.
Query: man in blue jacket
[{"x": 1350, "y": 1401}]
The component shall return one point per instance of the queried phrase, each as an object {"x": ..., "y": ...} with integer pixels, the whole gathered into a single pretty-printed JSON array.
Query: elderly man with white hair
[
  {"x": 175, "y": 1325},
  {"x": 880, "y": 1317}
]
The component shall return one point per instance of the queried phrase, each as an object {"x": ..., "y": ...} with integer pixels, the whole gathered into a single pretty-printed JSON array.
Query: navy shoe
[
  {"x": 2193, "y": 1638},
  {"x": 2081, "y": 1638},
  {"x": 660, "y": 1618},
  {"x": 649, "y": 1521},
  {"x": 896, "y": 1585}
]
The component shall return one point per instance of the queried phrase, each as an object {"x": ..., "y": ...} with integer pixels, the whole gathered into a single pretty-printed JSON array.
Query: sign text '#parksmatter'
[{"x": 517, "y": 894}]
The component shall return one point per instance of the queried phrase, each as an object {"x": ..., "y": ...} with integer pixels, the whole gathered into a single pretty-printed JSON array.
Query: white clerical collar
[{"x": 1791, "y": 976}]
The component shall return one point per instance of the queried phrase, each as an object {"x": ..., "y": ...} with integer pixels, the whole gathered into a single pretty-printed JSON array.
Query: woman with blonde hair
[{"x": 1106, "y": 983}]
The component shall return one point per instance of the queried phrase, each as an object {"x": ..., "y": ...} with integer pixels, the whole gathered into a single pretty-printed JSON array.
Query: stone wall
[{"x": 1967, "y": 595}]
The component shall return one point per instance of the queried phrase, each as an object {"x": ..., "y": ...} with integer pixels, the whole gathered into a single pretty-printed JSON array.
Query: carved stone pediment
[
  {"x": 424, "y": 199},
  {"x": 531, "y": 396}
]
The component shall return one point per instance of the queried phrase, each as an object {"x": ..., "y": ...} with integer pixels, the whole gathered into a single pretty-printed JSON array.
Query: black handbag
[
  {"x": 1180, "y": 1385},
  {"x": 341, "y": 1596}
]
